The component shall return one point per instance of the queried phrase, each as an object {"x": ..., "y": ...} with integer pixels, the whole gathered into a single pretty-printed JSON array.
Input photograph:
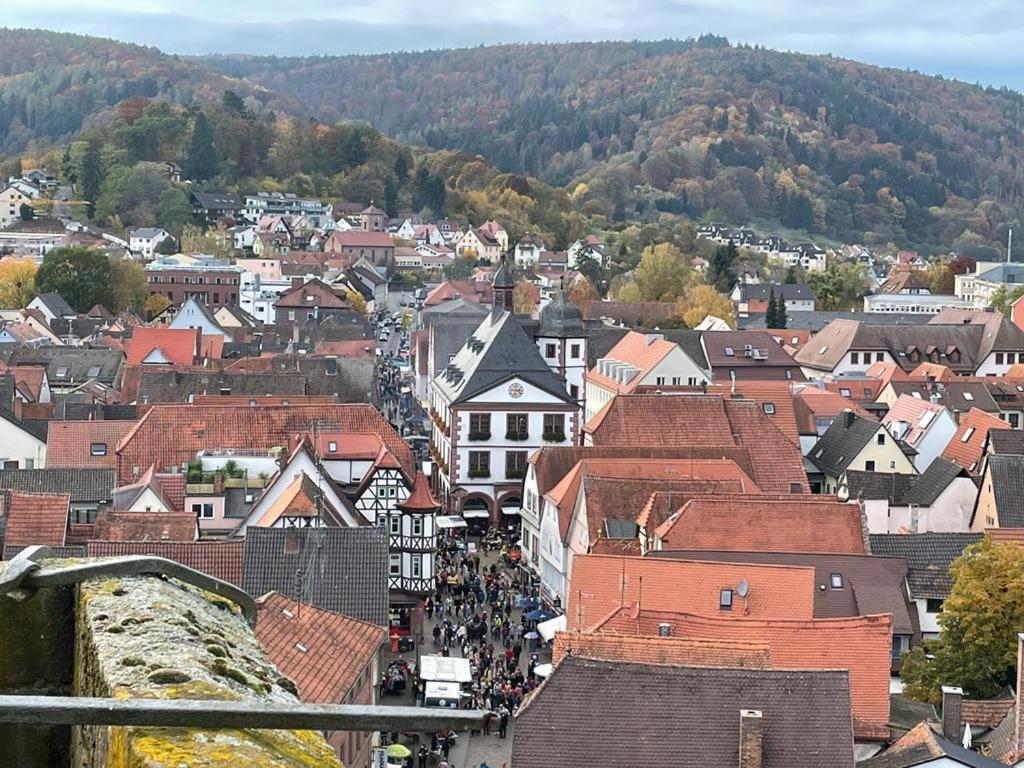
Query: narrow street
[{"x": 471, "y": 750}]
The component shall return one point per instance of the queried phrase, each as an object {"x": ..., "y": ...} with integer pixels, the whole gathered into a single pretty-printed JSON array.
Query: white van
[{"x": 443, "y": 695}]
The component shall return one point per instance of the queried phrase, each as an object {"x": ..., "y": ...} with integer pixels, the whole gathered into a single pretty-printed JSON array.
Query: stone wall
[{"x": 143, "y": 637}]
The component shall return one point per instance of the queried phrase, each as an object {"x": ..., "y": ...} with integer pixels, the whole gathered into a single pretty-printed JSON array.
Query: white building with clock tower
[{"x": 492, "y": 406}]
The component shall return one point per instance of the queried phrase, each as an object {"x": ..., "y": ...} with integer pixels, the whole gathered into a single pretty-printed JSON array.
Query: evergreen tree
[
  {"x": 769, "y": 315},
  {"x": 791, "y": 276},
  {"x": 202, "y": 159},
  {"x": 780, "y": 313},
  {"x": 402, "y": 168},
  {"x": 720, "y": 273},
  {"x": 233, "y": 103},
  {"x": 92, "y": 175},
  {"x": 390, "y": 197}
]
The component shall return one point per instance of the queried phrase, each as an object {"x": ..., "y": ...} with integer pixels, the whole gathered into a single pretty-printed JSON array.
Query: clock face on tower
[{"x": 515, "y": 389}]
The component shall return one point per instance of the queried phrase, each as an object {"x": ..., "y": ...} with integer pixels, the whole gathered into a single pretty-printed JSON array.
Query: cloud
[{"x": 976, "y": 42}]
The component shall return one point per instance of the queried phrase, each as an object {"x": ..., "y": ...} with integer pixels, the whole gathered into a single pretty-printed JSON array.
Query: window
[
  {"x": 479, "y": 463},
  {"x": 867, "y": 392},
  {"x": 203, "y": 510},
  {"x": 417, "y": 566},
  {"x": 83, "y": 516},
  {"x": 660, "y": 381},
  {"x": 999, "y": 358},
  {"x": 395, "y": 524},
  {"x": 574, "y": 351},
  {"x": 515, "y": 464},
  {"x": 93, "y": 372},
  {"x": 676, "y": 381},
  {"x": 332, "y": 447},
  {"x": 855, "y": 358},
  {"x": 796, "y": 488},
  {"x": 900, "y": 643},
  {"x": 291, "y": 314},
  {"x": 479, "y": 426},
  {"x": 892, "y": 464},
  {"x": 574, "y": 392},
  {"x": 934, "y": 605},
  {"x": 729, "y": 352},
  {"x": 517, "y": 426},
  {"x": 554, "y": 426},
  {"x": 549, "y": 350},
  {"x": 98, "y": 449},
  {"x": 725, "y": 599},
  {"x": 395, "y": 565},
  {"x": 836, "y": 579},
  {"x": 880, "y": 438},
  {"x": 768, "y": 408},
  {"x": 417, "y": 525},
  {"x": 869, "y": 466},
  {"x": 968, "y": 396},
  {"x": 967, "y": 434},
  {"x": 844, "y": 392}
]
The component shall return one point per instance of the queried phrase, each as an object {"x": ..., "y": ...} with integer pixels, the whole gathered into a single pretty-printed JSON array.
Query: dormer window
[{"x": 725, "y": 599}]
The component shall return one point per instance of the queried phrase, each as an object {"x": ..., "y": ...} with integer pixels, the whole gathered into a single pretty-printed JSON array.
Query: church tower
[
  {"x": 504, "y": 285},
  {"x": 562, "y": 341}
]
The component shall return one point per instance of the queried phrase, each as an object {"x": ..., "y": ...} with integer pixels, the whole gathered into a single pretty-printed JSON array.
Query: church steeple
[{"x": 503, "y": 287}]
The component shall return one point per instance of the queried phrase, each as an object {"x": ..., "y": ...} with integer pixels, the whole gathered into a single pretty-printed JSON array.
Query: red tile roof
[
  {"x": 322, "y": 651},
  {"x": 220, "y": 559},
  {"x": 121, "y": 525},
  {"x": 69, "y": 443},
  {"x": 314, "y": 293},
  {"x": 661, "y": 650},
  {"x": 968, "y": 442},
  {"x": 643, "y": 351},
  {"x": 775, "y": 399},
  {"x": 704, "y": 421},
  {"x": 470, "y": 290},
  {"x": 861, "y": 644},
  {"x": 984, "y": 712},
  {"x": 171, "y": 434},
  {"x": 179, "y": 345},
  {"x": 936, "y": 371},
  {"x": 36, "y": 518},
  {"x": 420, "y": 499},
  {"x": 350, "y": 348},
  {"x": 913, "y": 410},
  {"x": 28, "y": 379},
  {"x": 790, "y": 523},
  {"x": 601, "y": 584}
]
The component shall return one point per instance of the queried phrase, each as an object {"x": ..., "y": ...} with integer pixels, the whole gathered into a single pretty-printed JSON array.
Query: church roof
[
  {"x": 420, "y": 499},
  {"x": 503, "y": 277},
  {"x": 561, "y": 318}
]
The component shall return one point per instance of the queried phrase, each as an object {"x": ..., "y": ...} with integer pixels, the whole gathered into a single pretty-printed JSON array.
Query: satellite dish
[{"x": 742, "y": 587}]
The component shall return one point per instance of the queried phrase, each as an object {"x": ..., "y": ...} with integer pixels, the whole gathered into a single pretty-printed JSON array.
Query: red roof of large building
[
  {"x": 76, "y": 444},
  {"x": 968, "y": 442},
  {"x": 171, "y": 435},
  {"x": 661, "y": 650},
  {"x": 601, "y": 584},
  {"x": 121, "y": 525},
  {"x": 179, "y": 346},
  {"x": 36, "y": 518},
  {"x": 643, "y": 351},
  {"x": 703, "y": 421},
  {"x": 322, "y": 651},
  {"x": 861, "y": 644},
  {"x": 789, "y": 523}
]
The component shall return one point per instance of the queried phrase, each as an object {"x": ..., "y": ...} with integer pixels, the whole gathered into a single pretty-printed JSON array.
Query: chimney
[
  {"x": 951, "y": 701},
  {"x": 218, "y": 482},
  {"x": 848, "y": 418},
  {"x": 296, "y": 282},
  {"x": 750, "y": 739}
]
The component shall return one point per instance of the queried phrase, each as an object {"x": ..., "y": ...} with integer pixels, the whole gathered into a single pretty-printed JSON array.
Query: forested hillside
[
  {"x": 54, "y": 84},
  {"x": 699, "y": 127}
]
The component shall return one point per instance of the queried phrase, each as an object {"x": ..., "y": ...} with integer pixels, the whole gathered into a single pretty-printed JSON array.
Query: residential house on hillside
[
  {"x": 351, "y": 246},
  {"x": 11, "y": 200},
  {"x": 478, "y": 244},
  {"x": 747, "y": 298},
  {"x": 642, "y": 362},
  {"x": 923, "y": 425},
  {"x": 212, "y": 207},
  {"x": 939, "y": 499},
  {"x": 854, "y": 442},
  {"x": 528, "y": 250},
  {"x": 143, "y": 241}
]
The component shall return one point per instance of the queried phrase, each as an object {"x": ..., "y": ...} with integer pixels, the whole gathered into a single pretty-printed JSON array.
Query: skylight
[
  {"x": 926, "y": 419},
  {"x": 967, "y": 434},
  {"x": 823, "y": 350},
  {"x": 968, "y": 396},
  {"x": 728, "y": 352}
]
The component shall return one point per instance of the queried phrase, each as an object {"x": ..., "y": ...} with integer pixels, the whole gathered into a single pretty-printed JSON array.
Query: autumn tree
[
  {"x": 128, "y": 286},
  {"x": 195, "y": 239},
  {"x": 662, "y": 274},
  {"x": 356, "y": 302},
  {"x": 17, "y": 282},
  {"x": 699, "y": 301},
  {"x": 839, "y": 286},
  {"x": 977, "y": 648},
  {"x": 80, "y": 275},
  {"x": 524, "y": 298},
  {"x": 945, "y": 282},
  {"x": 155, "y": 304},
  {"x": 582, "y": 291}
]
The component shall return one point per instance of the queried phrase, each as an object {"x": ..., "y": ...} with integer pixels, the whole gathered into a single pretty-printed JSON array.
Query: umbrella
[
  {"x": 542, "y": 670},
  {"x": 529, "y": 602},
  {"x": 539, "y": 615},
  {"x": 531, "y": 635},
  {"x": 398, "y": 750}
]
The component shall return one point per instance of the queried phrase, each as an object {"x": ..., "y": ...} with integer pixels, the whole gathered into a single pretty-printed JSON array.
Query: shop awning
[
  {"x": 450, "y": 522},
  {"x": 548, "y": 628},
  {"x": 511, "y": 509},
  {"x": 475, "y": 513}
]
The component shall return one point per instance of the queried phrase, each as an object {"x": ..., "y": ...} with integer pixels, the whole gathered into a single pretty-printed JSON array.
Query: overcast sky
[{"x": 975, "y": 41}]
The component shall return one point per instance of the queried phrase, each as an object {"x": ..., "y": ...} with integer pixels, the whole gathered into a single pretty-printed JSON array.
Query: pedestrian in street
[
  {"x": 503, "y": 715},
  {"x": 422, "y": 755}
]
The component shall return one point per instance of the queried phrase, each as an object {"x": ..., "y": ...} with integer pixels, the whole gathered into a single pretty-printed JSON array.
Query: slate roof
[
  {"x": 787, "y": 291},
  {"x": 217, "y": 201},
  {"x": 71, "y": 364},
  {"x": 497, "y": 351},
  {"x": 37, "y": 428},
  {"x": 220, "y": 559},
  {"x": 560, "y": 318},
  {"x": 338, "y": 569},
  {"x": 158, "y": 385},
  {"x": 843, "y": 440},
  {"x": 817, "y": 320},
  {"x": 82, "y": 485},
  {"x": 692, "y": 714},
  {"x": 56, "y": 304},
  {"x": 928, "y": 557},
  {"x": 1007, "y": 476},
  {"x": 322, "y": 651},
  {"x": 1006, "y": 441},
  {"x": 872, "y": 585},
  {"x": 957, "y": 395},
  {"x": 920, "y": 746},
  {"x": 929, "y": 485},
  {"x": 900, "y": 490}
]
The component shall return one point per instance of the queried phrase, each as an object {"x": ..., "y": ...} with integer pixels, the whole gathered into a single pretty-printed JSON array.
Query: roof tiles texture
[
  {"x": 220, "y": 559},
  {"x": 322, "y": 651},
  {"x": 178, "y": 345},
  {"x": 654, "y": 649},
  {"x": 35, "y": 518},
  {"x": 968, "y": 442},
  {"x": 84, "y": 443}
]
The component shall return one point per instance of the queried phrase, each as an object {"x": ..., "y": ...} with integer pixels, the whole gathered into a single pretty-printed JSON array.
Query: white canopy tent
[
  {"x": 450, "y": 521},
  {"x": 548, "y": 628},
  {"x": 445, "y": 669}
]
